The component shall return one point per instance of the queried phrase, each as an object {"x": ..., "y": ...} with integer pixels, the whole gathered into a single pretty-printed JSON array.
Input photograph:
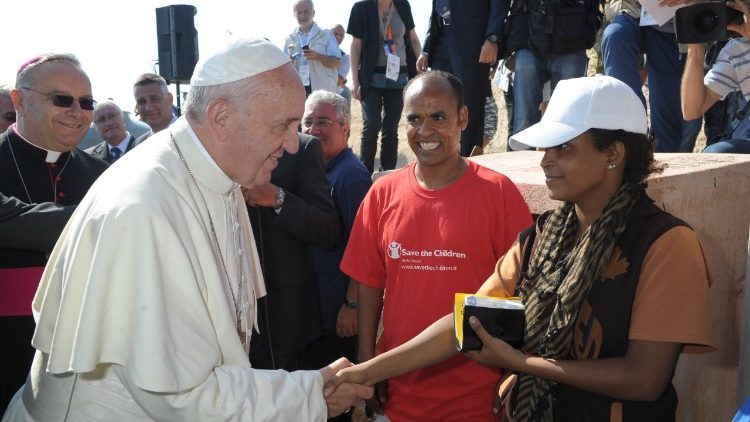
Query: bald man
[
  {"x": 109, "y": 121},
  {"x": 39, "y": 162}
]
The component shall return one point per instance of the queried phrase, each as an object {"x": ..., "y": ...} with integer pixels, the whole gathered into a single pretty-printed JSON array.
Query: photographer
[
  {"x": 731, "y": 72},
  {"x": 624, "y": 43}
]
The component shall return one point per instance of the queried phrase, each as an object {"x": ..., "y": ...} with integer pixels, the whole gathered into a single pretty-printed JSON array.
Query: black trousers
[
  {"x": 381, "y": 112},
  {"x": 16, "y": 354},
  {"x": 475, "y": 78}
]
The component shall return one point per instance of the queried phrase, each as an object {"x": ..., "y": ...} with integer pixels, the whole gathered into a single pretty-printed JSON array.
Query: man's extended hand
[
  {"x": 422, "y": 63},
  {"x": 345, "y": 394},
  {"x": 261, "y": 196},
  {"x": 346, "y": 322},
  {"x": 357, "y": 374},
  {"x": 488, "y": 54}
]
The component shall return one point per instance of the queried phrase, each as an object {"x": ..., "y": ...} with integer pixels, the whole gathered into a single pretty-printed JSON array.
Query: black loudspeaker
[{"x": 177, "y": 42}]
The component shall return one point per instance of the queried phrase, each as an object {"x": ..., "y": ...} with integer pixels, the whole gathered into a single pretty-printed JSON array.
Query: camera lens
[{"x": 705, "y": 21}]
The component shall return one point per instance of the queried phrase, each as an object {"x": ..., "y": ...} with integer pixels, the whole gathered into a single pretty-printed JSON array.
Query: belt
[{"x": 17, "y": 289}]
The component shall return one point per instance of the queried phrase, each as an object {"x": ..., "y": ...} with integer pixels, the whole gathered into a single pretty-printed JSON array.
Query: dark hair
[
  {"x": 151, "y": 78},
  {"x": 456, "y": 85},
  {"x": 639, "y": 152}
]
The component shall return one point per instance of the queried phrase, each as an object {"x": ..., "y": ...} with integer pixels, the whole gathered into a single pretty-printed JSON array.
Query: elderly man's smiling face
[
  {"x": 264, "y": 125},
  {"x": 304, "y": 12},
  {"x": 46, "y": 125},
  {"x": 110, "y": 123}
]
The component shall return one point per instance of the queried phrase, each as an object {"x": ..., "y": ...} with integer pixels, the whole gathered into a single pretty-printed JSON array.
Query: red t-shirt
[{"x": 423, "y": 246}]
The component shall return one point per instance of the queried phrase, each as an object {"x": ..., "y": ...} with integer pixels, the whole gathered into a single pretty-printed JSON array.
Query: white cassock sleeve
[{"x": 238, "y": 394}]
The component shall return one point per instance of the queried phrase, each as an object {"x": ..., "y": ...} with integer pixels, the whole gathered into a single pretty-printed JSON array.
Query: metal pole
[
  {"x": 179, "y": 109},
  {"x": 173, "y": 44},
  {"x": 173, "y": 56}
]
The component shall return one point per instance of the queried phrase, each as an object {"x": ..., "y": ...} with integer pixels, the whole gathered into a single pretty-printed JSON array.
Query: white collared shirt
[{"x": 122, "y": 146}]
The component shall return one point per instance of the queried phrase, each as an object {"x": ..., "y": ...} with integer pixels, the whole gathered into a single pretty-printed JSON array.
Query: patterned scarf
[{"x": 560, "y": 274}]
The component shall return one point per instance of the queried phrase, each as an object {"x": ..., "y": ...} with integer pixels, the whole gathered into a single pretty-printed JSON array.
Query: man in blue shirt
[{"x": 327, "y": 117}]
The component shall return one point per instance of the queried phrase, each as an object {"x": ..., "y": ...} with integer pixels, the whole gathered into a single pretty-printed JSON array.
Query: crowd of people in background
[{"x": 271, "y": 215}]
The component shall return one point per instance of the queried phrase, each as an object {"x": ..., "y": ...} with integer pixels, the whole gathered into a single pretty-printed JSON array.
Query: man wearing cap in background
[
  {"x": 147, "y": 305},
  {"x": 109, "y": 121},
  {"x": 39, "y": 162}
]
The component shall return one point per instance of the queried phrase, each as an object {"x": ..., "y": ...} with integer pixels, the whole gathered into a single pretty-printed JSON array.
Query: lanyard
[
  {"x": 299, "y": 39},
  {"x": 386, "y": 30}
]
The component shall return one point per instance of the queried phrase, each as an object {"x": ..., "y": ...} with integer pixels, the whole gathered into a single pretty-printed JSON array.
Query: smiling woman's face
[{"x": 576, "y": 170}]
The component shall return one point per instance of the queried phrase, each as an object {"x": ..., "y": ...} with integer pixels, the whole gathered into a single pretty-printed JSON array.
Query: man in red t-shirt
[{"x": 423, "y": 233}]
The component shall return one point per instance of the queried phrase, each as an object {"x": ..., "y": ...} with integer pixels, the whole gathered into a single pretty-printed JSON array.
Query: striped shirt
[{"x": 731, "y": 72}]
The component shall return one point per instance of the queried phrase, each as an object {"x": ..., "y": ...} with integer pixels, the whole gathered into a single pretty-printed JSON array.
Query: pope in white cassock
[{"x": 145, "y": 309}]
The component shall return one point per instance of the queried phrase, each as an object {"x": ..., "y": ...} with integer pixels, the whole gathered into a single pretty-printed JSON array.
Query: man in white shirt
[
  {"x": 313, "y": 50},
  {"x": 147, "y": 303},
  {"x": 153, "y": 103}
]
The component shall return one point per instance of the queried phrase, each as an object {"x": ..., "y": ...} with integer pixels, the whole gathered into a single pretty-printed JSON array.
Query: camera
[{"x": 700, "y": 23}]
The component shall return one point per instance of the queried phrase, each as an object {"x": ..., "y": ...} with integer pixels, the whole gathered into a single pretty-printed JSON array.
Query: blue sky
[{"x": 116, "y": 41}]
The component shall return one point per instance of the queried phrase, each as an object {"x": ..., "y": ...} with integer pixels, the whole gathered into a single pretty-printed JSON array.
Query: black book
[{"x": 501, "y": 317}]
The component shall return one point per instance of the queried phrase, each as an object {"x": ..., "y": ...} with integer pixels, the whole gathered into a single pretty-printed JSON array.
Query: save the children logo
[
  {"x": 394, "y": 250},
  {"x": 397, "y": 251}
]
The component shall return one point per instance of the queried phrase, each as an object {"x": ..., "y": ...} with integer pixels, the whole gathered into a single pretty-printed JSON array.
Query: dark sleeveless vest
[
  {"x": 604, "y": 321},
  {"x": 549, "y": 27}
]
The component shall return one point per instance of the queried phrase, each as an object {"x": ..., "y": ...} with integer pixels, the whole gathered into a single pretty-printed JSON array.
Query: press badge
[
  {"x": 304, "y": 73},
  {"x": 393, "y": 65},
  {"x": 646, "y": 18}
]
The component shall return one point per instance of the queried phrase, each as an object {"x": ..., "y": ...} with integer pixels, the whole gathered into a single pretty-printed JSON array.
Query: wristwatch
[
  {"x": 350, "y": 304},
  {"x": 492, "y": 38},
  {"x": 280, "y": 195}
]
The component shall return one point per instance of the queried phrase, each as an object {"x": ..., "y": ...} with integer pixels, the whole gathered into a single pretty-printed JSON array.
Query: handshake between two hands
[
  {"x": 341, "y": 395},
  {"x": 347, "y": 385}
]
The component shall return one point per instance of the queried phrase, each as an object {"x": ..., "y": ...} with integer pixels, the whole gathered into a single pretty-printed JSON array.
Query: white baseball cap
[
  {"x": 580, "y": 104},
  {"x": 240, "y": 58}
]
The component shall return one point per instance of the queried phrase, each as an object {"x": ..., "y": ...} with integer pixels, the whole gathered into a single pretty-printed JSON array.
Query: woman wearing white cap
[{"x": 598, "y": 276}]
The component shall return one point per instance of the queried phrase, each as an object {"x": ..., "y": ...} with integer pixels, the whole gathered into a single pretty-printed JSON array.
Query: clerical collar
[
  {"x": 201, "y": 148},
  {"x": 52, "y": 156}
]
